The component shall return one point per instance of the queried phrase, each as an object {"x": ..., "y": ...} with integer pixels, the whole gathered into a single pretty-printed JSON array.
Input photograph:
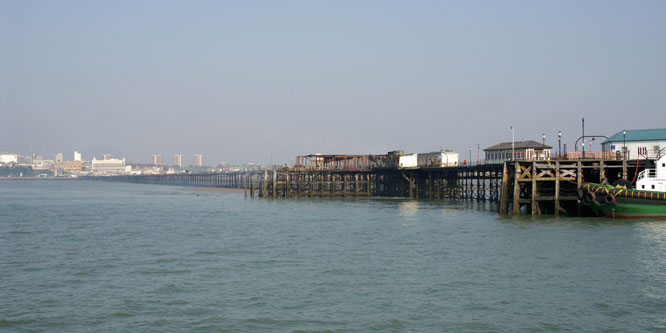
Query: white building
[
  {"x": 77, "y": 156},
  {"x": 8, "y": 158},
  {"x": 40, "y": 164},
  {"x": 639, "y": 144},
  {"x": 58, "y": 157},
  {"x": 438, "y": 159},
  {"x": 111, "y": 166},
  {"x": 408, "y": 161}
]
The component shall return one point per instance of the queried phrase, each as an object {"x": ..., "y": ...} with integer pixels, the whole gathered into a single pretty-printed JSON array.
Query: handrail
[
  {"x": 661, "y": 153},
  {"x": 647, "y": 173}
]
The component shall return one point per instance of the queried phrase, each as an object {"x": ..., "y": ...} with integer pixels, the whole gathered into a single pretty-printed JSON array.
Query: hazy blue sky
[{"x": 238, "y": 81}]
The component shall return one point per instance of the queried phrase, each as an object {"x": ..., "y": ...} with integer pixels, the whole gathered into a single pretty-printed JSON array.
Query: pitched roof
[
  {"x": 518, "y": 145},
  {"x": 639, "y": 135}
]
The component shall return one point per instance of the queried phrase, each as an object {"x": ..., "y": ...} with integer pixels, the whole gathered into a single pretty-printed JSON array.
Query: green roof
[{"x": 639, "y": 135}]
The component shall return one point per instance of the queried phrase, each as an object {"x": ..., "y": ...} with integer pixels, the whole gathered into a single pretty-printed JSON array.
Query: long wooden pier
[
  {"x": 481, "y": 183},
  {"x": 521, "y": 186}
]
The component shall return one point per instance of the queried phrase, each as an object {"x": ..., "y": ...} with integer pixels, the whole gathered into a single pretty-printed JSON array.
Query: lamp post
[
  {"x": 559, "y": 144},
  {"x": 513, "y": 143},
  {"x": 624, "y": 143},
  {"x": 543, "y": 145},
  {"x": 470, "y": 155},
  {"x": 583, "y": 137}
]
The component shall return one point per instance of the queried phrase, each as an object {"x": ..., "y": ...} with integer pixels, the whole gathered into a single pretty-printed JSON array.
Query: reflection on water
[{"x": 408, "y": 208}]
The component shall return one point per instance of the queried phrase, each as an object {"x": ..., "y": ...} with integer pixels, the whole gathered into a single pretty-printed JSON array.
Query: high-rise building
[
  {"x": 198, "y": 160},
  {"x": 178, "y": 160},
  {"x": 58, "y": 157},
  {"x": 157, "y": 159},
  {"x": 77, "y": 156},
  {"x": 107, "y": 157}
]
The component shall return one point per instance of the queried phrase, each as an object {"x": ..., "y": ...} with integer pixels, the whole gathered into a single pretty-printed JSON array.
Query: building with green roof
[{"x": 644, "y": 143}]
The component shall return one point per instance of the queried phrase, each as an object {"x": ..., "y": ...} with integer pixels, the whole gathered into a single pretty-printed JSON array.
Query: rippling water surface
[{"x": 84, "y": 256}]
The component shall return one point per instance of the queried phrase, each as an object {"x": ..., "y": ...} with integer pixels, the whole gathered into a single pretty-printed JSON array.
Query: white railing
[{"x": 647, "y": 173}]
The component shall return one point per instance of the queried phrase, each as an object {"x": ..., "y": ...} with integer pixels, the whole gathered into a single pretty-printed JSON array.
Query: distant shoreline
[
  {"x": 38, "y": 178},
  {"x": 224, "y": 189}
]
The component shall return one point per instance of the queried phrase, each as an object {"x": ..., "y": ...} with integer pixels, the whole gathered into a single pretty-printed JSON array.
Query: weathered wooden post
[
  {"x": 516, "y": 188},
  {"x": 504, "y": 195}
]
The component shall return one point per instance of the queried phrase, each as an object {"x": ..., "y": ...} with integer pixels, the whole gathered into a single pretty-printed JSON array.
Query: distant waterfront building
[
  {"x": 157, "y": 159},
  {"x": 24, "y": 160},
  {"x": 77, "y": 156},
  {"x": 107, "y": 157},
  {"x": 58, "y": 157},
  {"x": 69, "y": 165},
  {"x": 8, "y": 158},
  {"x": 638, "y": 143},
  {"x": 110, "y": 166},
  {"x": 198, "y": 160},
  {"x": 522, "y": 150},
  {"x": 178, "y": 160},
  {"x": 41, "y": 164}
]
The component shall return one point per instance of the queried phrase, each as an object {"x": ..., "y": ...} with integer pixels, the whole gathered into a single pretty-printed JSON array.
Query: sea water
[{"x": 96, "y": 256}]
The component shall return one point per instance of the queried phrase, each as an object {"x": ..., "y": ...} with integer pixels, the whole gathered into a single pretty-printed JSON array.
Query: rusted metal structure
[{"x": 340, "y": 162}]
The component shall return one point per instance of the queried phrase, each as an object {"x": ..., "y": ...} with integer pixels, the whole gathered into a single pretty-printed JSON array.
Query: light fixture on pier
[
  {"x": 624, "y": 143},
  {"x": 559, "y": 144}
]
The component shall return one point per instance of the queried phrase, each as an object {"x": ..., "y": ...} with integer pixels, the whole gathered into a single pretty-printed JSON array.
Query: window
[
  {"x": 653, "y": 187},
  {"x": 663, "y": 165},
  {"x": 643, "y": 186}
]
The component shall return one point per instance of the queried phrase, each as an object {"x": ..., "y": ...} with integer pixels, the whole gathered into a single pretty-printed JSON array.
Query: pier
[
  {"x": 518, "y": 186},
  {"x": 481, "y": 183}
]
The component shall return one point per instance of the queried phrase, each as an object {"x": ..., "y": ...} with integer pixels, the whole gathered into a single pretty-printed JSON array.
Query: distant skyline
[{"x": 243, "y": 81}]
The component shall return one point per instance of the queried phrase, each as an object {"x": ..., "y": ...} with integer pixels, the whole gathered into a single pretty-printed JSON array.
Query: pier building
[
  {"x": 524, "y": 150},
  {"x": 644, "y": 143}
]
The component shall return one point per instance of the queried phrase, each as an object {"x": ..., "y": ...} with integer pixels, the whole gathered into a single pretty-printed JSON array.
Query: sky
[{"x": 255, "y": 81}]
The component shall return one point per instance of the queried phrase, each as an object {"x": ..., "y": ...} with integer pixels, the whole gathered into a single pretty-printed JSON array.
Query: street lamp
[
  {"x": 624, "y": 143},
  {"x": 559, "y": 144},
  {"x": 470, "y": 155},
  {"x": 583, "y": 122},
  {"x": 513, "y": 143}
]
